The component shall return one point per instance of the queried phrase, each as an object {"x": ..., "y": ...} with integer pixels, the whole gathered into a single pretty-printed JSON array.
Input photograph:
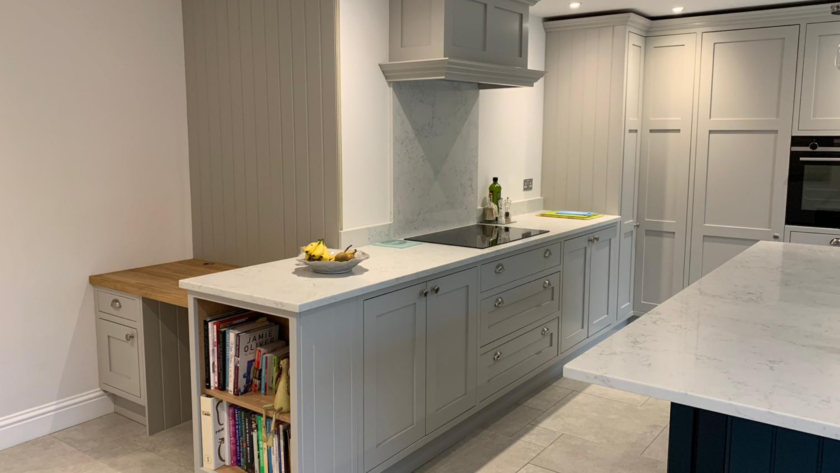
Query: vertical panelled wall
[
  {"x": 262, "y": 99},
  {"x": 584, "y": 87}
]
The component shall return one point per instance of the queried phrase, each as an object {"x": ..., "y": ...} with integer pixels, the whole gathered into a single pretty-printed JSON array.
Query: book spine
[
  {"x": 249, "y": 438},
  {"x": 214, "y": 355},
  {"x": 208, "y": 434},
  {"x": 231, "y": 360},
  {"x": 231, "y": 436},
  {"x": 261, "y": 444},
  {"x": 241, "y": 438},
  {"x": 207, "y": 355}
]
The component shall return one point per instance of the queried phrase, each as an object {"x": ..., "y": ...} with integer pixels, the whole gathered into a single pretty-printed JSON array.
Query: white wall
[
  {"x": 510, "y": 129},
  {"x": 365, "y": 113},
  {"x": 93, "y": 175}
]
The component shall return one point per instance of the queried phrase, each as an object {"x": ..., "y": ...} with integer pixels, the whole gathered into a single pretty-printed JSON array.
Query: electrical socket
[{"x": 528, "y": 185}]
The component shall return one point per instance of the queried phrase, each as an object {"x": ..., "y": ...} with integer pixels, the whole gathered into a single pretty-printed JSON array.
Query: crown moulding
[{"x": 486, "y": 75}]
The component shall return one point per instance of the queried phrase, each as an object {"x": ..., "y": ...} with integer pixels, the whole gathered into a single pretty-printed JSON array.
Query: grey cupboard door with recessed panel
[
  {"x": 394, "y": 373},
  {"x": 452, "y": 347},
  {"x": 665, "y": 156},
  {"x": 747, "y": 84},
  {"x": 262, "y": 109}
]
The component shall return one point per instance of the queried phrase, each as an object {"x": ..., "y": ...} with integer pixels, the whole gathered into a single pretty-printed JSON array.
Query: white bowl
[{"x": 334, "y": 267}]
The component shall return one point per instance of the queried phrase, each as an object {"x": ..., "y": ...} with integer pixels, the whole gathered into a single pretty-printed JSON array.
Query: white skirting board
[{"x": 53, "y": 417}]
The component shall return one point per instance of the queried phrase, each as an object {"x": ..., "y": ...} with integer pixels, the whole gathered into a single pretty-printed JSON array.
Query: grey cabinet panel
[
  {"x": 603, "y": 275},
  {"x": 574, "y": 323},
  {"x": 394, "y": 373},
  {"x": 515, "y": 267},
  {"x": 514, "y": 309},
  {"x": 262, "y": 105},
  {"x": 502, "y": 365},
  {"x": 451, "y": 347},
  {"x": 118, "y": 347}
]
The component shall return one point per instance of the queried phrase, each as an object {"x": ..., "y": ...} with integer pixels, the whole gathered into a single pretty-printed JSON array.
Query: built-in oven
[{"x": 813, "y": 198}]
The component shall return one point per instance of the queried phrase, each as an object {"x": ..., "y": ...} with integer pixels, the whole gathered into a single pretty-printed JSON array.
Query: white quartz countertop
[
  {"x": 758, "y": 338},
  {"x": 289, "y": 285}
]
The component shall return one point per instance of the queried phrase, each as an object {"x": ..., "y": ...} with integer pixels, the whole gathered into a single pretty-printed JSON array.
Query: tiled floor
[
  {"x": 110, "y": 444},
  {"x": 567, "y": 427}
]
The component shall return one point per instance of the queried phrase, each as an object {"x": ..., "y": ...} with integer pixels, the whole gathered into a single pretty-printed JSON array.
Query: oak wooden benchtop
[{"x": 159, "y": 282}]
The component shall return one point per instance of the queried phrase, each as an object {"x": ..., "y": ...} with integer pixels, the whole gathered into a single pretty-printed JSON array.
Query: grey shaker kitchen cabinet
[
  {"x": 394, "y": 373},
  {"x": 589, "y": 299},
  {"x": 451, "y": 347}
]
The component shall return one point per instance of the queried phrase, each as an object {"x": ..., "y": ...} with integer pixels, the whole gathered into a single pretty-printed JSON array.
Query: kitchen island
[
  {"x": 415, "y": 341},
  {"x": 749, "y": 357}
]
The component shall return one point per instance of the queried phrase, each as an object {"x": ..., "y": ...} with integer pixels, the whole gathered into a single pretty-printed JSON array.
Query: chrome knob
[
  {"x": 500, "y": 268},
  {"x": 637, "y": 225},
  {"x": 545, "y": 331},
  {"x": 425, "y": 293},
  {"x": 497, "y": 356},
  {"x": 547, "y": 253},
  {"x": 546, "y": 283},
  {"x": 116, "y": 304},
  {"x": 591, "y": 239},
  {"x": 597, "y": 238},
  {"x": 499, "y": 302},
  {"x": 835, "y": 242},
  {"x": 129, "y": 337},
  {"x": 436, "y": 289},
  {"x": 776, "y": 236}
]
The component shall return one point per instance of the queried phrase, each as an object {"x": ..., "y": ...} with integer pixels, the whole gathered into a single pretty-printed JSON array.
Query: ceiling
[{"x": 648, "y": 8}]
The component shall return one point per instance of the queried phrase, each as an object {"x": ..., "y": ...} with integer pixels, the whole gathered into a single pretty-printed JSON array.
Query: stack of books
[
  {"x": 242, "y": 350},
  {"x": 234, "y": 436}
]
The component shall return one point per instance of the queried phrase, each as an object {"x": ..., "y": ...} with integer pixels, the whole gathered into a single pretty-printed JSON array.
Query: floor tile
[
  {"x": 48, "y": 455},
  {"x": 529, "y": 468},
  {"x": 545, "y": 398},
  {"x": 570, "y": 454},
  {"x": 483, "y": 451},
  {"x": 513, "y": 421},
  {"x": 95, "y": 433},
  {"x": 619, "y": 425},
  {"x": 615, "y": 395},
  {"x": 175, "y": 444},
  {"x": 144, "y": 462},
  {"x": 537, "y": 435},
  {"x": 571, "y": 384},
  {"x": 658, "y": 450},
  {"x": 658, "y": 405}
]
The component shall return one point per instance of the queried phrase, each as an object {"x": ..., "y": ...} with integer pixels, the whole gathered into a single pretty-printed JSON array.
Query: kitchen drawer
[
  {"x": 118, "y": 350},
  {"x": 509, "y": 311},
  {"x": 821, "y": 239},
  {"x": 519, "y": 266},
  {"x": 505, "y": 364},
  {"x": 118, "y": 305}
]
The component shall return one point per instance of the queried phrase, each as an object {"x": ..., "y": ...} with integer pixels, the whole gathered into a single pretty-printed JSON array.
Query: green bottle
[{"x": 496, "y": 191}]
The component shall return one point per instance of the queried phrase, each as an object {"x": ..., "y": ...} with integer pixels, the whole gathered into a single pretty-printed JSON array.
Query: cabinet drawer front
[
  {"x": 503, "y": 365},
  {"x": 509, "y": 311},
  {"x": 821, "y": 239},
  {"x": 118, "y": 348},
  {"x": 519, "y": 266},
  {"x": 118, "y": 305}
]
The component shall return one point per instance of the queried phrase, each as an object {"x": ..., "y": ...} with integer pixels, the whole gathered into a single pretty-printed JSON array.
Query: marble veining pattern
[
  {"x": 759, "y": 338},
  {"x": 290, "y": 286},
  {"x": 435, "y": 156}
]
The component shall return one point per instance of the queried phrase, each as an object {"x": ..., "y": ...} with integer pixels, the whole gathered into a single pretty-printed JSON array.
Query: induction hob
[{"x": 478, "y": 236}]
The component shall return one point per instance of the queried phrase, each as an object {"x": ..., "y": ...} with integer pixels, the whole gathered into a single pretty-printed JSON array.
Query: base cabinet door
[
  {"x": 603, "y": 275},
  {"x": 451, "y": 347},
  {"x": 394, "y": 373},
  {"x": 573, "y": 320},
  {"x": 119, "y": 357}
]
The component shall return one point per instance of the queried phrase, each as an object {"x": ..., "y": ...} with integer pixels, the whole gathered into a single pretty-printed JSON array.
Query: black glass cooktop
[{"x": 478, "y": 236}]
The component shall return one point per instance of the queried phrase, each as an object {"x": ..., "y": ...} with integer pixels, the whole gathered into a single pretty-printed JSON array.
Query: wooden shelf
[
  {"x": 250, "y": 401},
  {"x": 230, "y": 469}
]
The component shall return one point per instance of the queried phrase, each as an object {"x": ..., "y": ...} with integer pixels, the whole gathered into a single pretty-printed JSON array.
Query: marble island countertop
[
  {"x": 289, "y": 285},
  {"x": 758, "y": 338}
]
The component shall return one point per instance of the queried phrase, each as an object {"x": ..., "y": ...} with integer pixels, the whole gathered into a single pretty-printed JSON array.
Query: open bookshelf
[{"x": 251, "y": 401}]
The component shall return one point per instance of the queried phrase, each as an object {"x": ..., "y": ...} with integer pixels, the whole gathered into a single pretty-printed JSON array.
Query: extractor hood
[{"x": 478, "y": 41}]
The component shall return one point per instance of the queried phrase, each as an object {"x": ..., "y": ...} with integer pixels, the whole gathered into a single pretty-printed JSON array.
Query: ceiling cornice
[
  {"x": 530, "y": 3},
  {"x": 648, "y": 26},
  {"x": 619, "y": 19}
]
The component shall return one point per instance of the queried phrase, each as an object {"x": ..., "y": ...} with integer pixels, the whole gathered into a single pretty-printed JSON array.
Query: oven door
[{"x": 814, "y": 189}]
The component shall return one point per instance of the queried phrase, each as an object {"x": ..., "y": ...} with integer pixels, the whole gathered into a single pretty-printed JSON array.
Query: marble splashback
[{"x": 435, "y": 152}]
